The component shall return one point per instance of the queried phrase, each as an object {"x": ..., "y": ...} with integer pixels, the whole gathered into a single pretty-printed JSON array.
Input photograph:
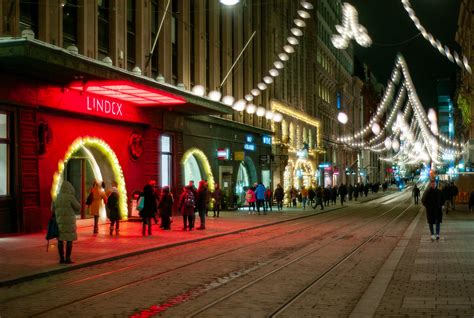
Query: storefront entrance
[
  {"x": 246, "y": 177},
  {"x": 196, "y": 167},
  {"x": 88, "y": 160}
]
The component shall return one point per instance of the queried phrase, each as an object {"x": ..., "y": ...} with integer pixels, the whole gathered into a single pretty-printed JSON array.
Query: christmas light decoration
[
  {"x": 350, "y": 29},
  {"x": 204, "y": 164},
  {"x": 453, "y": 57},
  {"x": 104, "y": 148}
]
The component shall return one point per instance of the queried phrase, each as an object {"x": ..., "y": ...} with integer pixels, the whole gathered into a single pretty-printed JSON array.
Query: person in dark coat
[
  {"x": 356, "y": 192},
  {"x": 447, "y": 196},
  {"x": 113, "y": 210},
  {"x": 350, "y": 191},
  {"x": 454, "y": 194},
  {"x": 416, "y": 193},
  {"x": 319, "y": 198},
  {"x": 342, "y": 193},
  {"x": 149, "y": 208},
  {"x": 217, "y": 196},
  {"x": 166, "y": 206},
  {"x": 268, "y": 199},
  {"x": 279, "y": 195},
  {"x": 201, "y": 203},
  {"x": 334, "y": 194},
  {"x": 327, "y": 195},
  {"x": 471, "y": 201},
  {"x": 187, "y": 208},
  {"x": 433, "y": 200},
  {"x": 65, "y": 208}
]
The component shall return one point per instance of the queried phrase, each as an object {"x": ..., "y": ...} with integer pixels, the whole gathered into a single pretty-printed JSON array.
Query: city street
[{"x": 325, "y": 264}]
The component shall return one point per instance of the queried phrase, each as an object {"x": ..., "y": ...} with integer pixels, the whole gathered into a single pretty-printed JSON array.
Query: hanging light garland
[
  {"x": 350, "y": 29},
  {"x": 418, "y": 142},
  {"x": 454, "y": 57}
]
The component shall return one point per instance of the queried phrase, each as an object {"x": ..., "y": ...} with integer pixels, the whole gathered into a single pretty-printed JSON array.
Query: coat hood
[{"x": 67, "y": 188}]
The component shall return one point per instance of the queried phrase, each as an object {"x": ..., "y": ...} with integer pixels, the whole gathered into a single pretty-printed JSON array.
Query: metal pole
[
  {"x": 237, "y": 59},
  {"x": 157, "y": 34}
]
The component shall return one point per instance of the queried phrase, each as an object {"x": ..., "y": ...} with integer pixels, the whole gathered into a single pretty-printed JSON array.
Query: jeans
[
  {"x": 437, "y": 228},
  {"x": 186, "y": 219},
  {"x": 261, "y": 203},
  {"x": 202, "y": 217},
  {"x": 280, "y": 205}
]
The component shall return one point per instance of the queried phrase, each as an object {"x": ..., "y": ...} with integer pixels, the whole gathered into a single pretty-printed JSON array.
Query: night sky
[{"x": 388, "y": 25}]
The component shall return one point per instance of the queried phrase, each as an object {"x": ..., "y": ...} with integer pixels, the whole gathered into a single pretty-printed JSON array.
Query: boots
[
  {"x": 144, "y": 229},
  {"x": 111, "y": 232},
  {"x": 68, "y": 252},
  {"x": 61, "y": 252}
]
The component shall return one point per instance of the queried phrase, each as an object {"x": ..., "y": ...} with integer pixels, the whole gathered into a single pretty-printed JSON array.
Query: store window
[
  {"x": 166, "y": 160},
  {"x": 4, "y": 155},
  {"x": 103, "y": 10},
  {"x": 131, "y": 34},
  {"x": 70, "y": 23}
]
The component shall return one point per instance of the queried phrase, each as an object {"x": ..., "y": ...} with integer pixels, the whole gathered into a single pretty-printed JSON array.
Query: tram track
[
  {"x": 176, "y": 269},
  {"x": 317, "y": 279}
]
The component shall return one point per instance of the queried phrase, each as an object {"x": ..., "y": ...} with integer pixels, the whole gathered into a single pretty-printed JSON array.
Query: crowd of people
[{"x": 195, "y": 202}]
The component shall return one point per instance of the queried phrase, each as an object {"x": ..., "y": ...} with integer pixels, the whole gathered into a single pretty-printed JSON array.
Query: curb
[{"x": 22, "y": 279}]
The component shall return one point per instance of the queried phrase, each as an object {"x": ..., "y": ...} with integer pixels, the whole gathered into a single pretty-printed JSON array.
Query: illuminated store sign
[
  {"x": 266, "y": 140},
  {"x": 249, "y": 138},
  {"x": 324, "y": 165},
  {"x": 250, "y": 147},
  {"x": 104, "y": 106},
  {"x": 223, "y": 154}
]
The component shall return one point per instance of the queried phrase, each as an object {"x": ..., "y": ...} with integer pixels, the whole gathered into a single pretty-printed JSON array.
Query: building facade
[
  {"x": 86, "y": 48},
  {"x": 465, "y": 93}
]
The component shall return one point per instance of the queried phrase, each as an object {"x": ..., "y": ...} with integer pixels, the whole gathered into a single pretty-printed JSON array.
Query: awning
[{"x": 43, "y": 61}]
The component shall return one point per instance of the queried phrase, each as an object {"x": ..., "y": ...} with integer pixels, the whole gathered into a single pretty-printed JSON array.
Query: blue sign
[
  {"x": 250, "y": 147},
  {"x": 267, "y": 140},
  {"x": 249, "y": 138},
  {"x": 324, "y": 165}
]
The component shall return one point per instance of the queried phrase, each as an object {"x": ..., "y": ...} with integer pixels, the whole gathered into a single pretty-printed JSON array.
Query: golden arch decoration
[
  {"x": 199, "y": 154},
  {"x": 104, "y": 148}
]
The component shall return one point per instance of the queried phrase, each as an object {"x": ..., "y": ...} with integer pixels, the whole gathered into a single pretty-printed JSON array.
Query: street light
[{"x": 229, "y": 2}]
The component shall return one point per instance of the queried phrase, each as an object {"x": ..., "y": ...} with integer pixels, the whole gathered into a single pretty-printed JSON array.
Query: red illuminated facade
[{"x": 48, "y": 113}]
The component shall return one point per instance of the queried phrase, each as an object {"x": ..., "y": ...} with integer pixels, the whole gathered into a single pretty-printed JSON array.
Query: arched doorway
[
  {"x": 246, "y": 177},
  {"x": 87, "y": 160},
  {"x": 196, "y": 167}
]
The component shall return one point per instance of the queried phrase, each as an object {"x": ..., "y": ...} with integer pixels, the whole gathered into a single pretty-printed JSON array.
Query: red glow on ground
[{"x": 129, "y": 92}]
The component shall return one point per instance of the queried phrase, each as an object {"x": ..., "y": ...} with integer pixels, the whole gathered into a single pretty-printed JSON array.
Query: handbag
[
  {"x": 52, "y": 230},
  {"x": 141, "y": 203},
  {"x": 89, "y": 199}
]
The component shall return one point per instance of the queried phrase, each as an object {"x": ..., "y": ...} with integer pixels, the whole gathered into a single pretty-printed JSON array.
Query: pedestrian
[
  {"x": 113, "y": 211},
  {"x": 208, "y": 196},
  {"x": 186, "y": 206},
  {"x": 294, "y": 195},
  {"x": 268, "y": 199},
  {"x": 326, "y": 195},
  {"x": 260, "y": 195},
  {"x": 201, "y": 203},
  {"x": 311, "y": 195},
  {"x": 65, "y": 208},
  {"x": 251, "y": 199},
  {"x": 356, "y": 192},
  {"x": 433, "y": 201},
  {"x": 334, "y": 194},
  {"x": 194, "y": 190},
  {"x": 279, "y": 195},
  {"x": 149, "y": 209},
  {"x": 157, "y": 194},
  {"x": 98, "y": 197},
  {"x": 416, "y": 193},
  {"x": 351, "y": 191},
  {"x": 217, "y": 196},
  {"x": 319, "y": 197},
  {"x": 304, "y": 196},
  {"x": 454, "y": 194},
  {"x": 166, "y": 206},
  {"x": 342, "y": 193},
  {"x": 471, "y": 201},
  {"x": 447, "y": 196}
]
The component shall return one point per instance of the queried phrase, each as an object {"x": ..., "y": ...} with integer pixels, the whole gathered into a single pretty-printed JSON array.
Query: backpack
[{"x": 189, "y": 201}]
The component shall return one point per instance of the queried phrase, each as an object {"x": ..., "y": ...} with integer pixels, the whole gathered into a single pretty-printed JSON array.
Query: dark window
[
  {"x": 70, "y": 23},
  {"x": 131, "y": 34},
  {"x": 29, "y": 15},
  {"x": 104, "y": 24},
  {"x": 174, "y": 41}
]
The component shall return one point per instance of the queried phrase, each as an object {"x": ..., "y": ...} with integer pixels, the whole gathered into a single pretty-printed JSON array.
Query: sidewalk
[{"x": 24, "y": 257}]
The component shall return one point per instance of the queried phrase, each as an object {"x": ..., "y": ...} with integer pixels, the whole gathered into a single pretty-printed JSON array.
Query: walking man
[
  {"x": 416, "y": 193},
  {"x": 433, "y": 201}
]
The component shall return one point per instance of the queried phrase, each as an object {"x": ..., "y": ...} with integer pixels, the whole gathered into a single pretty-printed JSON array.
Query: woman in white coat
[{"x": 65, "y": 208}]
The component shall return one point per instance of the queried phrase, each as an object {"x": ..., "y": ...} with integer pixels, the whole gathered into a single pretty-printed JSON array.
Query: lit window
[
  {"x": 4, "y": 154},
  {"x": 166, "y": 160}
]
